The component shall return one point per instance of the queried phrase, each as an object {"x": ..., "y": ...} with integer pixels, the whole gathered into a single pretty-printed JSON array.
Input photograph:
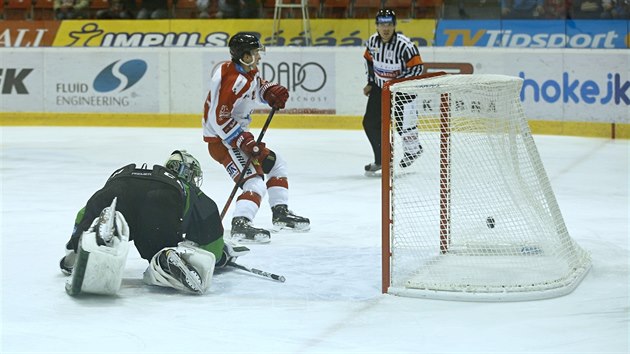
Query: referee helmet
[{"x": 386, "y": 16}]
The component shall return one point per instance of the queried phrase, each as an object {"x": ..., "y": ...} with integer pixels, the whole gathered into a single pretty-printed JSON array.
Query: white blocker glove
[
  {"x": 231, "y": 251},
  {"x": 109, "y": 226}
]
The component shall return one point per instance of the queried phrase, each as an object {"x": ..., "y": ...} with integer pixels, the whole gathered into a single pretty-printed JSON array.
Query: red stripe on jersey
[
  {"x": 206, "y": 108},
  {"x": 251, "y": 196},
  {"x": 226, "y": 96},
  {"x": 278, "y": 182}
]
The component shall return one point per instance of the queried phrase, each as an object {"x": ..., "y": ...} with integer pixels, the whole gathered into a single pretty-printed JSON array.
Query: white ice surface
[{"x": 331, "y": 301}]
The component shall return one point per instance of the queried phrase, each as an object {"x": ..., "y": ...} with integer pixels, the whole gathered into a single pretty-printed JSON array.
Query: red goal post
[{"x": 386, "y": 172}]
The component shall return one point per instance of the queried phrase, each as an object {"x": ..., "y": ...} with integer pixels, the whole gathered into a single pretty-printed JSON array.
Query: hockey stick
[
  {"x": 241, "y": 177},
  {"x": 277, "y": 277}
]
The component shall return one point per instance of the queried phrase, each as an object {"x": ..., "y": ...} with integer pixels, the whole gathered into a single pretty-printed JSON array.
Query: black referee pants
[{"x": 372, "y": 122}]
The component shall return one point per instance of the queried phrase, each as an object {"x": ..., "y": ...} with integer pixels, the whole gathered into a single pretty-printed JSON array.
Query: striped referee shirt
[{"x": 396, "y": 59}]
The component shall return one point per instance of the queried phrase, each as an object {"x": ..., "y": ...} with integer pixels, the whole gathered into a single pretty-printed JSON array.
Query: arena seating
[
  {"x": 18, "y": 10},
  {"x": 403, "y": 8},
  {"x": 96, "y": 6},
  {"x": 336, "y": 9},
  {"x": 43, "y": 10},
  {"x": 187, "y": 9},
  {"x": 365, "y": 8},
  {"x": 426, "y": 8}
]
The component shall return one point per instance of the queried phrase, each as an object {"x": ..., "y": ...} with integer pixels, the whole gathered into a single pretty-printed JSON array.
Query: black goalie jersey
[{"x": 158, "y": 206}]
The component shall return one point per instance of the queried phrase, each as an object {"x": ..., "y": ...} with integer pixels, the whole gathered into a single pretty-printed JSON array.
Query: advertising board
[
  {"x": 587, "y": 34},
  {"x": 558, "y": 84}
]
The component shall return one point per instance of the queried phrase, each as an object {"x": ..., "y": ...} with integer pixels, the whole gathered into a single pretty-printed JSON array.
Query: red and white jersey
[{"x": 233, "y": 95}]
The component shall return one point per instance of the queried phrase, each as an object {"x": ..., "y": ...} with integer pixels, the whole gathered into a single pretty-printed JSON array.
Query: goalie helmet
[
  {"x": 386, "y": 16},
  {"x": 242, "y": 43},
  {"x": 185, "y": 166}
]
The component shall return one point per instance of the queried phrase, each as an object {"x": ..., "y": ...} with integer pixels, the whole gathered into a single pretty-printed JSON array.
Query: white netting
[{"x": 473, "y": 217}]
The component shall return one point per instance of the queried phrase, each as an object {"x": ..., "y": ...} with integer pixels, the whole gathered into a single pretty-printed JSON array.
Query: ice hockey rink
[{"x": 331, "y": 301}]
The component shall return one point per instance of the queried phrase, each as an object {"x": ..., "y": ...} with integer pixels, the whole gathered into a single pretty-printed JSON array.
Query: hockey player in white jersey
[{"x": 235, "y": 89}]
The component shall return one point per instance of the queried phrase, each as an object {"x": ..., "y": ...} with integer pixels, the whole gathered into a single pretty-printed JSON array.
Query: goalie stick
[
  {"x": 249, "y": 160},
  {"x": 277, "y": 277}
]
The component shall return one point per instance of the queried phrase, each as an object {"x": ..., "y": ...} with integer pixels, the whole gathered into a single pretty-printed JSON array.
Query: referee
[{"x": 389, "y": 55}]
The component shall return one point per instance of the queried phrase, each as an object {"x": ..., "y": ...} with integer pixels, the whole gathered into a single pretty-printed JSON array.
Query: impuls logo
[{"x": 119, "y": 76}]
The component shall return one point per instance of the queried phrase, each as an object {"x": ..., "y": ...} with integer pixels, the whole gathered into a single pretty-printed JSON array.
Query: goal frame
[{"x": 561, "y": 287}]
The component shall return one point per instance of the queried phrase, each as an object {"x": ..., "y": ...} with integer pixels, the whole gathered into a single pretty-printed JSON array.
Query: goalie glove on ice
[
  {"x": 231, "y": 251},
  {"x": 275, "y": 95}
]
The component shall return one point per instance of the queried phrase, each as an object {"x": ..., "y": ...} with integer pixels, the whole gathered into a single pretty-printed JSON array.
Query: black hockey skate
[
  {"x": 67, "y": 263},
  {"x": 373, "y": 170},
  {"x": 172, "y": 264},
  {"x": 410, "y": 158},
  {"x": 244, "y": 231},
  {"x": 283, "y": 218}
]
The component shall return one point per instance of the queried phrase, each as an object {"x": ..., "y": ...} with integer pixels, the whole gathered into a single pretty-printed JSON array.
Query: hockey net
[{"x": 474, "y": 216}]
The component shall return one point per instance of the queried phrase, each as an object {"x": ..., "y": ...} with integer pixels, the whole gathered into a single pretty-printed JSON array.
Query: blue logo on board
[
  {"x": 570, "y": 90},
  {"x": 120, "y": 77}
]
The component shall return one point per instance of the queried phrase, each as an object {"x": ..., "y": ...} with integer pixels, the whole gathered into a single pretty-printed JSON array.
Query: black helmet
[
  {"x": 243, "y": 42},
  {"x": 386, "y": 16}
]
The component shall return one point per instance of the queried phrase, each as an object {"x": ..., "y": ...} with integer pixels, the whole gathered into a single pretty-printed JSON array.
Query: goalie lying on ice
[{"x": 173, "y": 224}]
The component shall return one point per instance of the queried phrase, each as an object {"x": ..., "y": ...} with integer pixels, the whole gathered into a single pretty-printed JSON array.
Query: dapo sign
[{"x": 309, "y": 79}]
